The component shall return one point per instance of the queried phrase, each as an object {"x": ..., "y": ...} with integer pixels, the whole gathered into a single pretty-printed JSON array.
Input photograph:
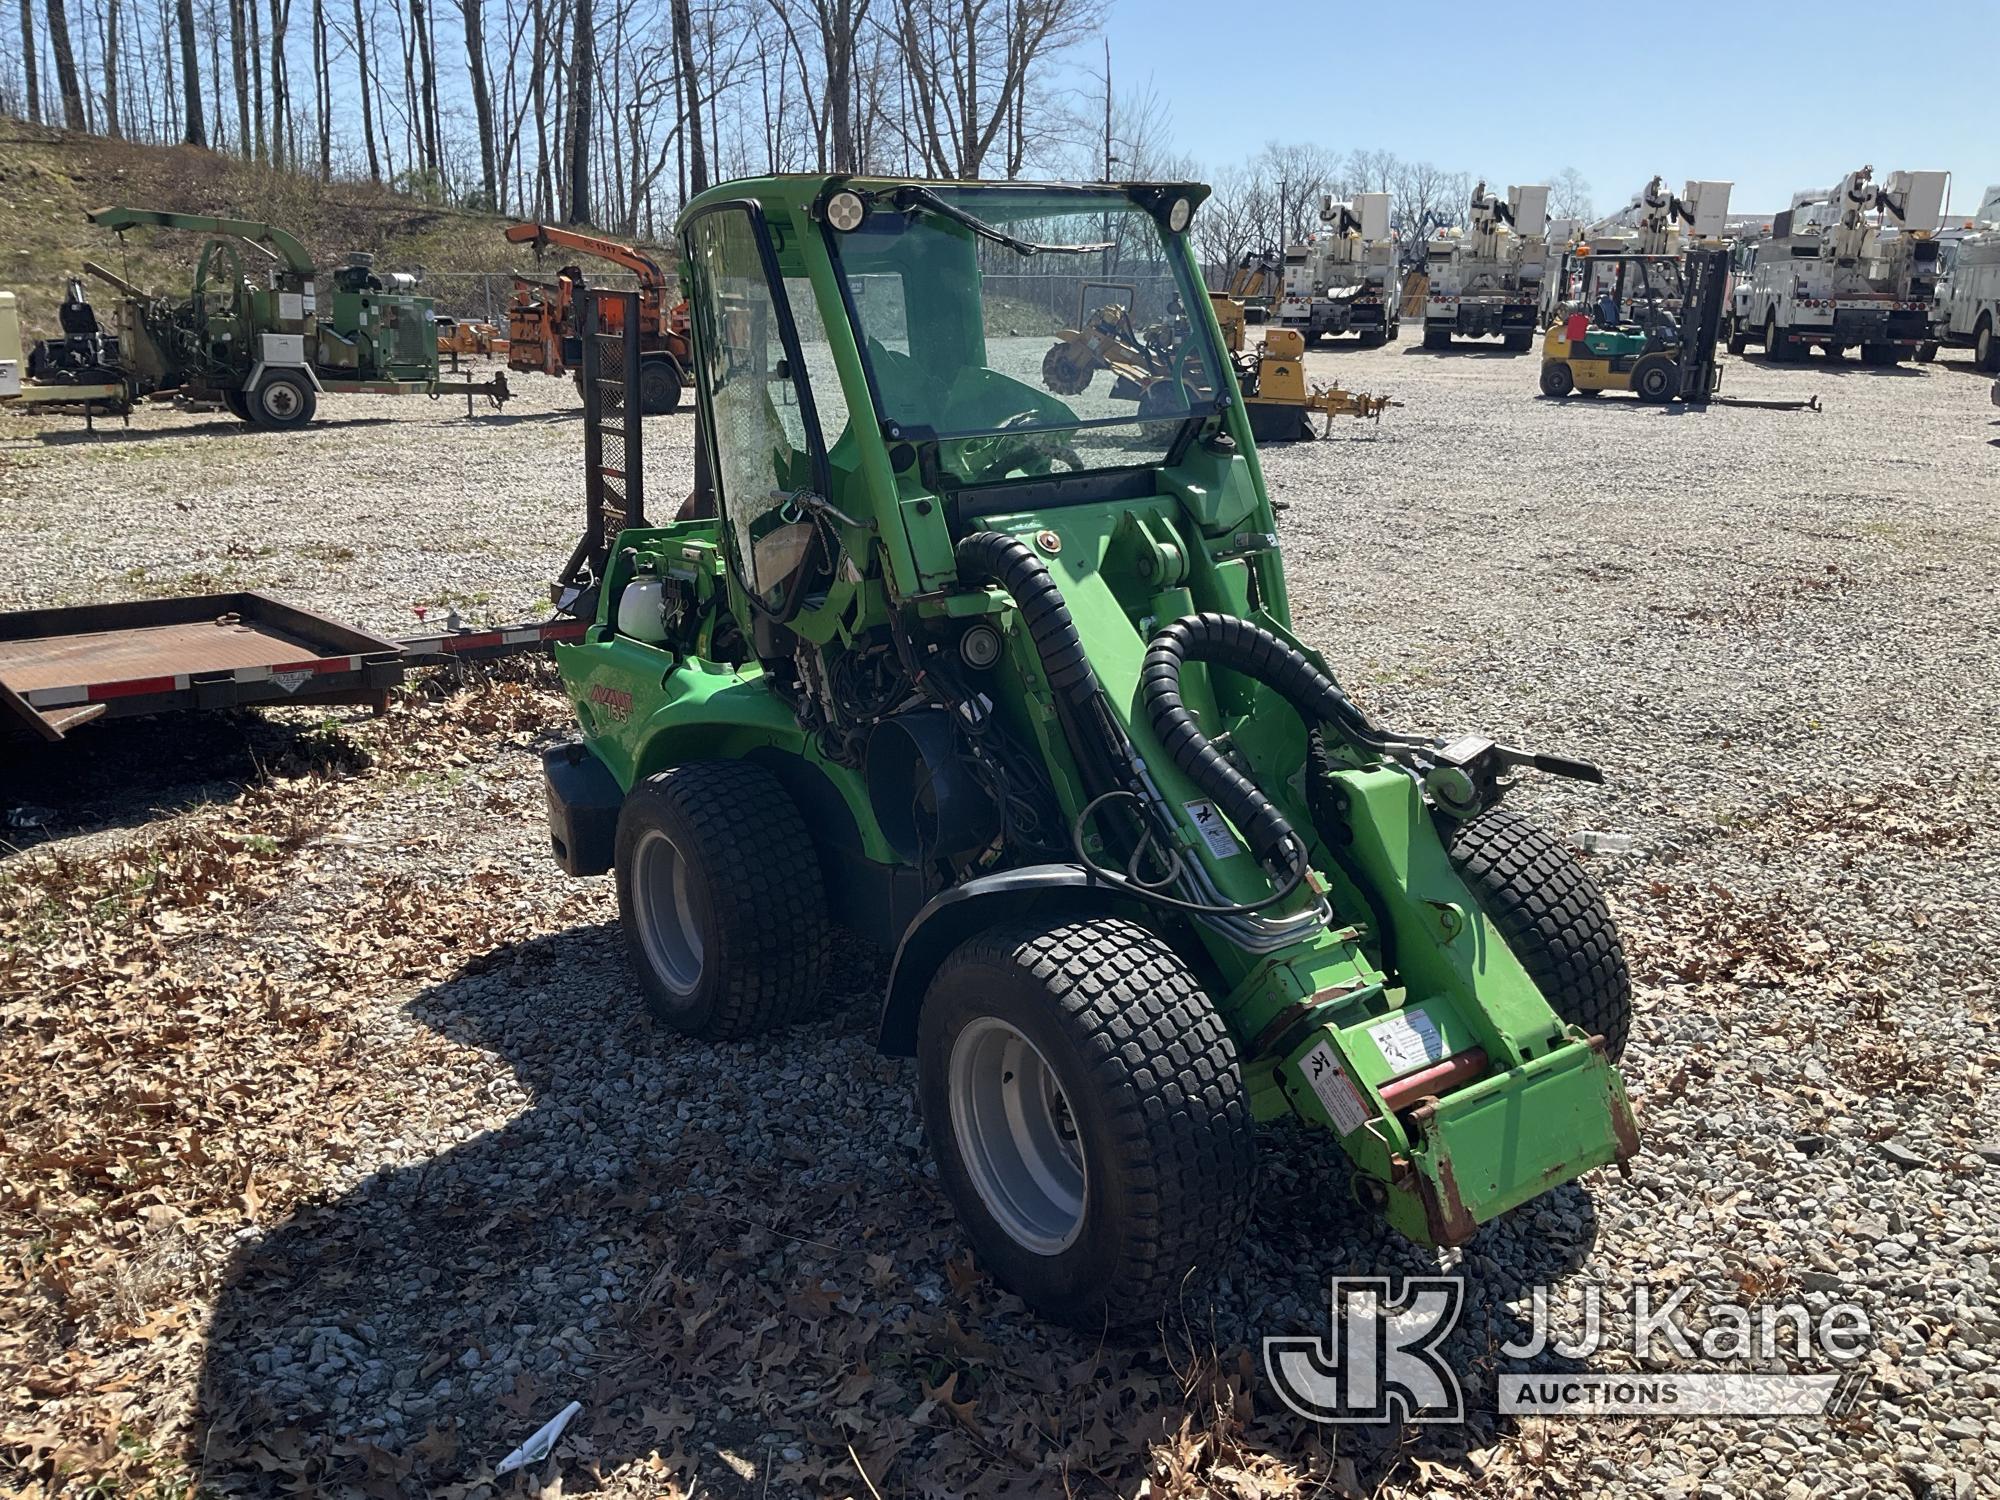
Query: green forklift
[{"x": 1005, "y": 680}]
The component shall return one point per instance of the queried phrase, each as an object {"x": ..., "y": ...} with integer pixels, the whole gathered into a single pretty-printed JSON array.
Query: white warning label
[
  {"x": 1408, "y": 1039},
  {"x": 1214, "y": 830},
  {"x": 1336, "y": 1090}
]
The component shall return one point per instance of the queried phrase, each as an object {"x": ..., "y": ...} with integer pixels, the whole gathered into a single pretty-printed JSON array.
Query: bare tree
[
  {"x": 969, "y": 62},
  {"x": 580, "y": 111},
  {"x": 65, "y": 56},
  {"x": 322, "y": 89},
  {"x": 697, "y": 167},
  {"x": 111, "y": 68},
  {"x": 1426, "y": 197},
  {"x": 1570, "y": 197},
  {"x": 31, "y": 77},
  {"x": 473, "y": 13},
  {"x": 196, "y": 133}
]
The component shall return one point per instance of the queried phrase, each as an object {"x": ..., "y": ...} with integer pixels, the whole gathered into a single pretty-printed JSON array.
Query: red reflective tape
[
  {"x": 132, "y": 688},
  {"x": 473, "y": 642},
  {"x": 316, "y": 664}
]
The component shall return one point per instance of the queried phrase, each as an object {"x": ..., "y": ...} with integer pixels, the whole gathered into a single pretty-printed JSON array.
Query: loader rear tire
[
  {"x": 1085, "y": 1107},
  {"x": 720, "y": 896},
  {"x": 1553, "y": 917},
  {"x": 1557, "y": 378}
]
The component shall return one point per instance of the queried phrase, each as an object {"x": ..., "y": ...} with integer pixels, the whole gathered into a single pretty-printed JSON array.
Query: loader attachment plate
[{"x": 1506, "y": 1139}]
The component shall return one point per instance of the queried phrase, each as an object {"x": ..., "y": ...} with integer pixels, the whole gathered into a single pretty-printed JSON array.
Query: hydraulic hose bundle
[
  {"x": 1241, "y": 646},
  {"x": 1112, "y": 770}
]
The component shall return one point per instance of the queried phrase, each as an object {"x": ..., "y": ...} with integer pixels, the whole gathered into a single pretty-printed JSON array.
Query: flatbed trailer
[{"x": 66, "y": 667}]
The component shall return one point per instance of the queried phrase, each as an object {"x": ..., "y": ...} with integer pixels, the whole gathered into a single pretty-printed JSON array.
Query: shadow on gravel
[
  {"x": 734, "y": 1258},
  {"x": 1848, "y": 365},
  {"x": 224, "y": 427},
  {"x": 516, "y": 419},
  {"x": 124, "y": 775},
  {"x": 402, "y": 1338},
  {"x": 1465, "y": 351}
]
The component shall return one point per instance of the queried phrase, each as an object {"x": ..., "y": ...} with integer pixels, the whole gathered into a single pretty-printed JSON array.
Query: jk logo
[{"x": 1379, "y": 1356}]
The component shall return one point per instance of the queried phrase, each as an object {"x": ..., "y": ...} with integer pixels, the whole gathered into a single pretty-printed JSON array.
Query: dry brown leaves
[{"x": 184, "y": 1056}]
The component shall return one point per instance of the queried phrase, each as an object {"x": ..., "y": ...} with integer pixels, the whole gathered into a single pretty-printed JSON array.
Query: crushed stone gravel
[{"x": 340, "y": 1155}]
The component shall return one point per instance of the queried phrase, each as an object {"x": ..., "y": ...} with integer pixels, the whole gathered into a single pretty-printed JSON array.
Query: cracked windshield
[{"x": 1063, "y": 359}]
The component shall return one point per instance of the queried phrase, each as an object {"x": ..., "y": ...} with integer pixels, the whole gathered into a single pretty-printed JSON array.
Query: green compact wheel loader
[{"x": 1005, "y": 679}]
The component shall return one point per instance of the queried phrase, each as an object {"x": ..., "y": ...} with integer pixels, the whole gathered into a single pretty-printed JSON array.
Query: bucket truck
[
  {"x": 1343, "y": 280},
  {"x": 1827, "y": 274},
  {"x": 1487, "y": 279},
  {"x": 1968, "y": 304}
]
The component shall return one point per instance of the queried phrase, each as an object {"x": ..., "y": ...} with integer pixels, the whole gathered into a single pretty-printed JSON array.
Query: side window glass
[
  {"x": 759, "y": 425},
  {"x": 822, "y": 375}
]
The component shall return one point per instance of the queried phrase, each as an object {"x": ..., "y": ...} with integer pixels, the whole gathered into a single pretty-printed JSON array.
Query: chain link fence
[
  {"x": 482, "y": 296},
  {"x": 1044, "y": 301}
]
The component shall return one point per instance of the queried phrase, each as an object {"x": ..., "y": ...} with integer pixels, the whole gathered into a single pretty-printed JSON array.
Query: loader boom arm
[{"x": 286, "y": 245}]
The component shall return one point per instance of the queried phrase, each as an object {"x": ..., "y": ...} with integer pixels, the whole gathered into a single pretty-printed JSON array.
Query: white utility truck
[
  {"x": 1968, "y": 303},
  {"x": 1829, "y": 274},
  {"x": 1488, "y": 278},
  {"x": 1343, "y": 279}
]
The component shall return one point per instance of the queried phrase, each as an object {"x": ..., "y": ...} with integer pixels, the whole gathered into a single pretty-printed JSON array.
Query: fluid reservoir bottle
[{"x": 640, "y": 612}]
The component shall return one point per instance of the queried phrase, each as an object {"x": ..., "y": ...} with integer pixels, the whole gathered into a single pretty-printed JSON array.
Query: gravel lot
[{"x": 338, "y": 1157}]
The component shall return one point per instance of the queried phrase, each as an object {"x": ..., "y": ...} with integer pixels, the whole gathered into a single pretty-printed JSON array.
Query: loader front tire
[
  {"x": 1089, "y": 1121},
  {"x": 1553, "y": 917},
  {"x": 720, "y": 896}
]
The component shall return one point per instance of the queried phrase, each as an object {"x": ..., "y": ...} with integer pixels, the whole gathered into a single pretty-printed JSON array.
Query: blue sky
[{"x": 1773, "y": 95}]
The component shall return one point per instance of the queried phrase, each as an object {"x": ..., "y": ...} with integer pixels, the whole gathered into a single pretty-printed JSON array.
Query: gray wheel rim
[
  {"x": 663, "y": 904},
  {"x": 1017, "y": 1136},
  {"x": 280, "y": 399}
]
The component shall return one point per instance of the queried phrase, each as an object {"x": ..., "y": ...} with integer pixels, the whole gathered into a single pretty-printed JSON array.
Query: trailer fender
[
  {"x": 257, "y": 375},
  {"x": 955, "y": 915}
]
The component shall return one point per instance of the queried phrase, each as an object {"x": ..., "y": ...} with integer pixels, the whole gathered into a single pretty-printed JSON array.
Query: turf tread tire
[
  {"x": 766, "y": 933},
  {"x": 1150, "y": 1059},
  {"x": 1554, "y": 919}
]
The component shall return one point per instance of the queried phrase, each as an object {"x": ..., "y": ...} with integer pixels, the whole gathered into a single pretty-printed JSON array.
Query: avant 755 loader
[{"x": 1005, "y": 679}]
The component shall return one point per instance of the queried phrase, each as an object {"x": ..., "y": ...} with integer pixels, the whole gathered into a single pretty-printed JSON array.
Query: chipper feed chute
[{"x": 1004, "y": 677}]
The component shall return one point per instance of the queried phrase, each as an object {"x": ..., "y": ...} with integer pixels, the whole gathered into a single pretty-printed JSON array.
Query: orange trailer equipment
[{"x": 543, "y": 321}]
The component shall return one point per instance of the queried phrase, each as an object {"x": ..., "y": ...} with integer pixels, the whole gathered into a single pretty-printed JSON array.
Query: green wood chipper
[
  {"x": 1006, "y": 680},
  {"x": 259, "y": 332}
]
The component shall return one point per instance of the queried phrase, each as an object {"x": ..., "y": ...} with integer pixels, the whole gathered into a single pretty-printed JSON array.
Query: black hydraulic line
[
  {"x": 1104, "y": 755},
  {"x": 1241, "y": 646}
]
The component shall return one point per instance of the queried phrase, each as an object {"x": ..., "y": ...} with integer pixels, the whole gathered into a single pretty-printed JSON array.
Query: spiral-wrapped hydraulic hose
[
  {"x": 1241, "y": 646},
  {"x": 1012, "y": 563},
  {"x": 1105, "y": 756}
]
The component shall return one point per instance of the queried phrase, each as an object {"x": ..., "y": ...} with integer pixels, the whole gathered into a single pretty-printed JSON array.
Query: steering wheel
[{"x": 997, "y": 453}]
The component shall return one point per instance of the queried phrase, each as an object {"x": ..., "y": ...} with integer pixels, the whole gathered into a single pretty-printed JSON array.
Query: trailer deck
[{"x": 62, "y": 668}]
